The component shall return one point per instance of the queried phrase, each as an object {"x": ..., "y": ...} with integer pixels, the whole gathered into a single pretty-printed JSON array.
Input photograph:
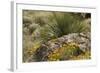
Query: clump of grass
[
  {"x": 29, "y": 52},
  {"x": 65, "y": 23}
]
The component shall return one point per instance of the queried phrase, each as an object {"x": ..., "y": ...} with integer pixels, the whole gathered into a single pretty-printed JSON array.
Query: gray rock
[{"x": 82, "y": 39}]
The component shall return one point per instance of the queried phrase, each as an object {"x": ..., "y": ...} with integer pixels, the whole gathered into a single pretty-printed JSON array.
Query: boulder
[{"x": 82, "y": 39}]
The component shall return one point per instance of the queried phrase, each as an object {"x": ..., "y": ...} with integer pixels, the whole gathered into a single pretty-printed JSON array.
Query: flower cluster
[{"x": 67, "y": 51}]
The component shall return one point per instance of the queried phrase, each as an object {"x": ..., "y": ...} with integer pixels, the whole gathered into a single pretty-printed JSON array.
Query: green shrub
[{"x": 65, "y": 23}]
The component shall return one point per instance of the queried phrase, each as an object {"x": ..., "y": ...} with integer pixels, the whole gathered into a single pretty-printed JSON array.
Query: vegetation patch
[{"x": 56, "y": 36}]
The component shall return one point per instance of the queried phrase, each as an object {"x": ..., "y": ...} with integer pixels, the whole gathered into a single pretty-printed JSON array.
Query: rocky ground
[{"x": 77, "y": 43}]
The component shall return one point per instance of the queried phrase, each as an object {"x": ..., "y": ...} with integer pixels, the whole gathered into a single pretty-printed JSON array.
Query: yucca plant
[{"x": 65, "y": 23}]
